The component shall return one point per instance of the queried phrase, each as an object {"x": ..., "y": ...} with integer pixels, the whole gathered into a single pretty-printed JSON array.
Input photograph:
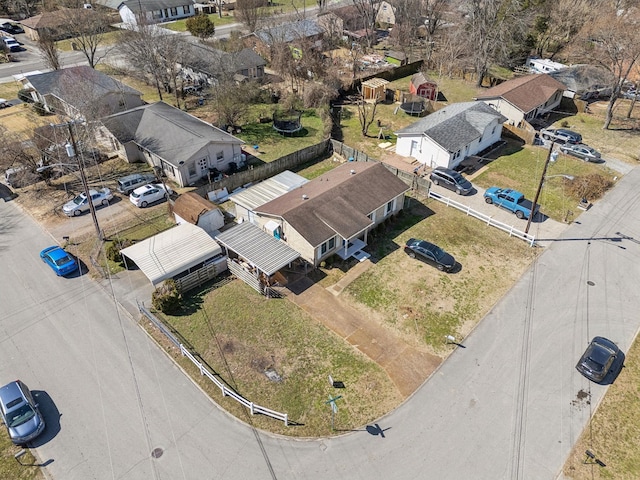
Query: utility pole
[
  {"x": 71, "y": 152},
  {"x": 535, "y": 200}
]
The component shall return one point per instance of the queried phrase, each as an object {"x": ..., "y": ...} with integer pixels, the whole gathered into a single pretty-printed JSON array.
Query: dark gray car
[
  {"x": 601, "y": 357},
  {"x": 452, "y": 180},
  {"x": 20, "y": 413}
]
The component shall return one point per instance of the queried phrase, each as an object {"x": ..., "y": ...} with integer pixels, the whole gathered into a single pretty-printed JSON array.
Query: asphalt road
[{"x": 508, "y": 404}]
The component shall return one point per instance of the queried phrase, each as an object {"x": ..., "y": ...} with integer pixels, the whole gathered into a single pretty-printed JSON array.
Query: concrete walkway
[{"x": 407, "y": 366}]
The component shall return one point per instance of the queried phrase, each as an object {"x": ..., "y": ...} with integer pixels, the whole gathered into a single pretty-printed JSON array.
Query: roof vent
[
  {"x": 353, "y": 172},
  {"x": 304, "y": 197}
]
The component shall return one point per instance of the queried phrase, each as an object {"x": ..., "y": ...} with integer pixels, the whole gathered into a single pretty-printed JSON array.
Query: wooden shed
[
  {"x": 423, "y": 87},
  {"x": 374, "y": 89}
]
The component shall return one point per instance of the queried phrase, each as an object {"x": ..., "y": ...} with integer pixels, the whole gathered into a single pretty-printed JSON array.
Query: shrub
[
  {"x": 25, "y": 96},
  {"x": 590, "y": 187},
  {"x": 166, "y": 298},
  {"x": 113, "y": 250}
]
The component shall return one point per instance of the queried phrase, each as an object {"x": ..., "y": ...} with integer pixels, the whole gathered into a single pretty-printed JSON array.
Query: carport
[
  {"x": 177, "y": 253},
  {"x": 255, "y": 256}
]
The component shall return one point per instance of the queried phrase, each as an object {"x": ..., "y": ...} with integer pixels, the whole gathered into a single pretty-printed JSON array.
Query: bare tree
[
  {"x": 366, "y": 112},
  {"x": 612, "y": 39},
  {"x": 231, "y": 102},
  {"x": 407, "y": 16},
  {"x": 87, "y": 27},
  {"x": 249, "y": 12},
  {"x": 368, "y": 10},
  {"x": 557, "y": 25},
  {"x": 492, "y": 26},
  {"x": 48, "y": 49}
]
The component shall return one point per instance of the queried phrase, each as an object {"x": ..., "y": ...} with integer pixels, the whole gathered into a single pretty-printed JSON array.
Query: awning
[
  {"x": 259, "y": 248},
  {"x": 173, "y": 251}
]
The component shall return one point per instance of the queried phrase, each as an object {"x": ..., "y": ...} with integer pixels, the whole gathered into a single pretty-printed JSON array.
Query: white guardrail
[{"x": 510, "y": 229}]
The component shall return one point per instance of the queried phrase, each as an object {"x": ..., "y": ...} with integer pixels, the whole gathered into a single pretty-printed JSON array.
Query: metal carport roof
[
  {"x": 265, "y": 252},
  {"x": 173, "y": 251}
]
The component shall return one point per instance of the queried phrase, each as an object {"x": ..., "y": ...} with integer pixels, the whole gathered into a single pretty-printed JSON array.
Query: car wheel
[
  {"x": 105, "y": 202},
  {"x": 436, "y": 182},
  {"x": 519, "y": 214},
  {"x": 440, "y": 267},
  {"x": 546, "y": 137},
  {"x": 411, "y": 254},
  {"x": 458, "y": 191},
  {"x": 143, "y": 204},
  {"x": 488, "y": 200},
  {"x": 76, "y": 212}
]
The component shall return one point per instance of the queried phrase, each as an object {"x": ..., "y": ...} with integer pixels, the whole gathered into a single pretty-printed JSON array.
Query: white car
[
  {"x": 80, "y": 204},
  {"x": 147, "y": 194}
]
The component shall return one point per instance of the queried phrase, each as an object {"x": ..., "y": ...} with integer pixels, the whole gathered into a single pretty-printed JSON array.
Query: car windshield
[
  {"x": 20, "y": 415},
  {"x": 79, "y": 200},
  {"x": 438, "y": 253},
  {"x": 62, "y": 260},
  {"x": 457, "y": 177},
  {"x": 135, "y": 195}
]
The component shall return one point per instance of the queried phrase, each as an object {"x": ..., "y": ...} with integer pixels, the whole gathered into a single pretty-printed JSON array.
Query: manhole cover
[
  {"x": 590, "y": 283},
  {"x": 157, "y": 452}
]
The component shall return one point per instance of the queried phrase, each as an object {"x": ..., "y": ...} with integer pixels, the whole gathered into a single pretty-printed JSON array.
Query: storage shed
[
  {"x": 423, "y": 87},
  {"x": 374, "y": 89},
  {"x": 192, "y": 208}
]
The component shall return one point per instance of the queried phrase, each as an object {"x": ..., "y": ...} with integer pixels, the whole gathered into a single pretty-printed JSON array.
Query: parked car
[
  {"x": 4, "y": 103},
  {"x": 12, "y": 44},
  {"x": 601, "y": 357},
  {"x": 20, "y": 413},
  {"x": 128, "y": 184},
  {"x": 511, "y": 200},
  {"x": 430, "y": 253},
  {"x": 80, "y": 204},
  {"x": 59, "y": 260},
  {"x": 451, "y": 180},
  {"x": 147, "y": 194},
  {"x": 561, "y": 135},
  {"x": 12, "y": 28},
  {"x": 585, "y": 152}
]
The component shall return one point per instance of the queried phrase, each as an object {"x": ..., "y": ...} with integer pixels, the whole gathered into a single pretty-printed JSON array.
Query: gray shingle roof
[
  {"x": 66, "y": 83},
  {"x": 288, "y": 32},
  {"x": 456, "y": 125},
  {"x": 215, "y": 62},
  {"x": 337, "y": 202},
  {"x": 166, "y": 131},
  {"x": 145, "y": 5}
]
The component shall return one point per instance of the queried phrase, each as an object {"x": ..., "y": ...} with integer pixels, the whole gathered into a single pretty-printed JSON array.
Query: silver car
[
  {"x": 584, "y": 152},
  {"x": 80, "y": 204},
  {"x": 20, "y": 413}
]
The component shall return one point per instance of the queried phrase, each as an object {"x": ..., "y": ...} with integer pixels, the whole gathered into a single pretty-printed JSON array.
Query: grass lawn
[
  {"x": 520, "y": 167},
  {"x": 241, "y": 334},
  {"x": 9, "y": 466},
  {"x": 181, "y": 25}
]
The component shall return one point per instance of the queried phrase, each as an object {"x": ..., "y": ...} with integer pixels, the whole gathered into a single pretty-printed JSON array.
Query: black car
[
  {"x": 451, "y": 180},
  {"x": 12, "y": 28},
  {"x": 601, "y": 357},
  {"x": 430, "y": 253}
]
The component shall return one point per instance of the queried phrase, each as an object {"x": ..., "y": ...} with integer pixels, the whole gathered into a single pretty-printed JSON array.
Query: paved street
[{"x": 509, "y": 405}]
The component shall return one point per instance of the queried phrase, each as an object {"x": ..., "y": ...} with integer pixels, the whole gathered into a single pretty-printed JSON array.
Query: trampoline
[
  {"x": 287, "y": 123},
  {"x": 413, "y": 108}
]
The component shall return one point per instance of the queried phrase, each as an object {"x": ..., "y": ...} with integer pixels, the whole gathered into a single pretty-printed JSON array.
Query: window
[
  {"x": 192, "y": 169},
  {"x": 389, "y": 208},
  {"x": 202, "y": 163},
  {"x": 323, "y": 248},
  {"x": 186, "y": 9},
  {"x": 220, "y": 156},
  {"x": 174, "y": 11},
  {"x": 332, "y": 243}
]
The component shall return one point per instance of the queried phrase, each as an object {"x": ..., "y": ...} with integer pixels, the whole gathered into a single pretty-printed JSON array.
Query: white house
[
  {"x": 524, "y": 98},
  {"x": 154, "y": 11},
  {"x": 448, "y": 136}
]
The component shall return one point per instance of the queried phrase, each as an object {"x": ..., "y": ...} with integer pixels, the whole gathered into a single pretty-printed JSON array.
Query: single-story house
[
  {"x": 524, "y": 98},
  {"x": 183, "y": 146},
  {"x": 203, "y": 64},
  {"x": 293, "y": 34},
  {"x": 192, "y": 208},
  {"x": 154, "y": 11},
  {"x": 180, "y": 253},
  {"x": 248, "y": 199},
  {"x": 342, "y": 20},
  {"x": 81, "y": 92},
  {"x": 447, "y": 136},
  {"x": 50, "y": 22},
  {"x": 423, "y": 87},
  {"x": 332, "y": 214}
]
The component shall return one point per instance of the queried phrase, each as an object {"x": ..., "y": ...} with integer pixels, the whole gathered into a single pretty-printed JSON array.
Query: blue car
[{"x": 60, "y": 261}]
